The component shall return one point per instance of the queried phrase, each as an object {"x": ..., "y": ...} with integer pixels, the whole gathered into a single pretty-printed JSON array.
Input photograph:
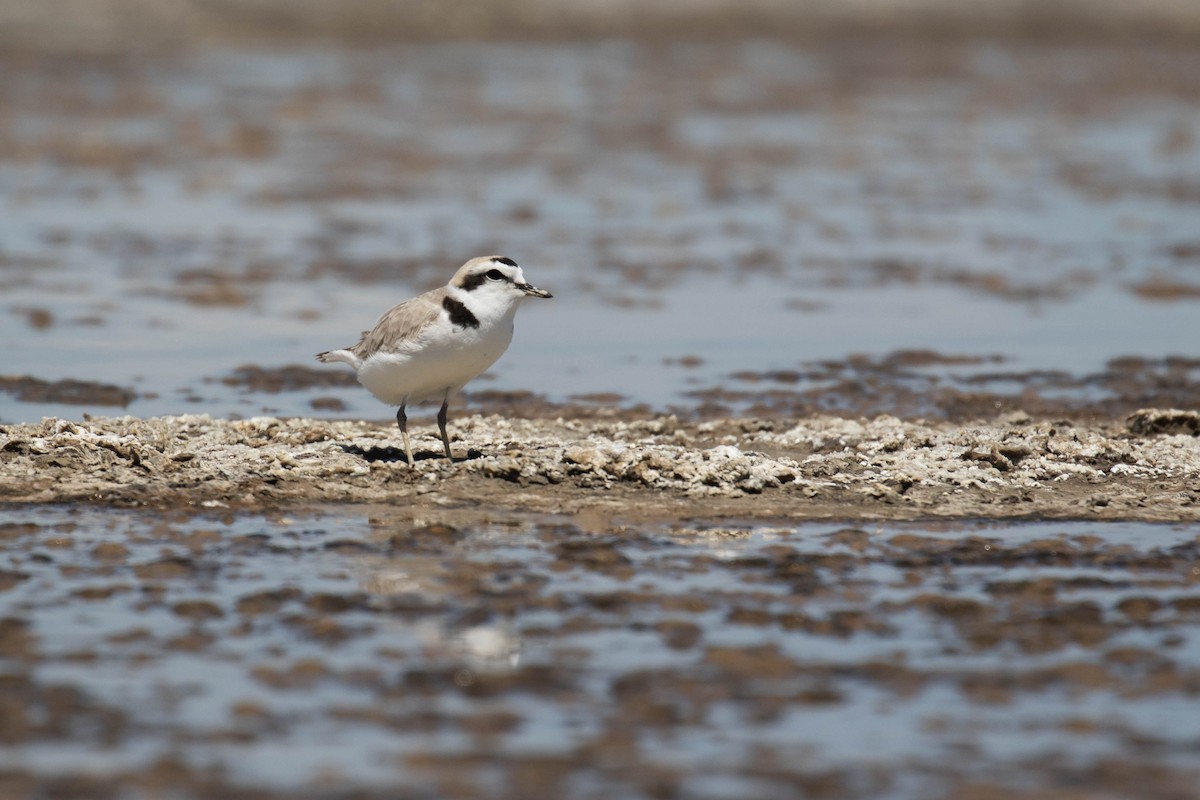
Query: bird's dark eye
[{"x": 494, "y": 275}]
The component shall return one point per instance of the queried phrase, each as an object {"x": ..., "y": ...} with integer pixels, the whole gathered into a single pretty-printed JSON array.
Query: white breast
[{"x": 442, "y": 358}]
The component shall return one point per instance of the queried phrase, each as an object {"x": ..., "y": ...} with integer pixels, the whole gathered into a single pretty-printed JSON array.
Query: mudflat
[{"x": 1143, "y": 467}]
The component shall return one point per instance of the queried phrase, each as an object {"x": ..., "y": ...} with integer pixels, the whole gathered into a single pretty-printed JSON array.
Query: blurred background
[
  {"x": 123, "y": 26},
  {"x": 915, "y": 207}
]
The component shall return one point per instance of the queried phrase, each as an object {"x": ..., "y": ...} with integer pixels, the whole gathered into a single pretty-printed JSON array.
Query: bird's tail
[{"x": 342, "y": 356}]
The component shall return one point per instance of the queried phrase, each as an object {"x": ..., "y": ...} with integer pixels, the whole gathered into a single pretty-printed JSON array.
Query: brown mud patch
[
  {"x": 290, "y": 377},
  {"x": 1146, "y": 467},
  {"x": 28, "y": 389},
  {"x": 1164, "y": 289},
  {"x": 928, "y": 384}
]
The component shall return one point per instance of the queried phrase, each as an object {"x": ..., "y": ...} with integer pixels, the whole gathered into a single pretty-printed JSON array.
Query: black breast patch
[{"x": 460, "y": 315}]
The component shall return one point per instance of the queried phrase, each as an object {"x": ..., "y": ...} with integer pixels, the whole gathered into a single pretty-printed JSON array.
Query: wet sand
[{"x": 1146, "y": 467}]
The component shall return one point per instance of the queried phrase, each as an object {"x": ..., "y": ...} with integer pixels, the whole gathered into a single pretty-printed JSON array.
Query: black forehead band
[{"x": 508, "y": 262}]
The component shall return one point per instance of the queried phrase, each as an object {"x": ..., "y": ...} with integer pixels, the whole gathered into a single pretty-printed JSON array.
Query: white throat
[{"x": 489, "y": 304}]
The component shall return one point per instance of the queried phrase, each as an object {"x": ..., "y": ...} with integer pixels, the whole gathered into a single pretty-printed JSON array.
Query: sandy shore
[{"x": 1144, "y": 467}]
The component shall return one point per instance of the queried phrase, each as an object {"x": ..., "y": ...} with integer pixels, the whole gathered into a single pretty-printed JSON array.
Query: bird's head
[{"x": 495, "y": 278}]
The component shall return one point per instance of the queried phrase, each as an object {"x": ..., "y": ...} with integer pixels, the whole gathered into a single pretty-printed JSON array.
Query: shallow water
[
  {"x": 354, "y": 647},
  {"x": 856, "y": 228},
  {"x": 699, "y": 211}
]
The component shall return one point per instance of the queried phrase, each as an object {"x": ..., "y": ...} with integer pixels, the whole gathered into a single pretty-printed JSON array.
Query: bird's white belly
[{"x": 427, "y": 372}]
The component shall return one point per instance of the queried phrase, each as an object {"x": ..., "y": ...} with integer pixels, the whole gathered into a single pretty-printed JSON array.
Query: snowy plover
[{"x": 431, "y": 345}]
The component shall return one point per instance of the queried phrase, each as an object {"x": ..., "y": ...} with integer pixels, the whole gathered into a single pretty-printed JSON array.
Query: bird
[{"x": 432, "y": 345}]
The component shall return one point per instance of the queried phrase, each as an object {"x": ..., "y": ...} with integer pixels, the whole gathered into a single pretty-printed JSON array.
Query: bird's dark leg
[
  {"x": 442, "y": 424},
  {"x": 402, "y": 421}
]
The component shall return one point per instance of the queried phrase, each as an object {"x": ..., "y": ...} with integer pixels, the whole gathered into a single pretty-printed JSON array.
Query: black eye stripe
[{"x": 476, "y": 279}]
